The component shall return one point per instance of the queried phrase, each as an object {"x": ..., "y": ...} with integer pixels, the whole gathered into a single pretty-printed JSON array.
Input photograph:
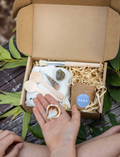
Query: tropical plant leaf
[
  {"x": 14, "y": 64},
  {"x": 1, "y": 58},
  {"x": 43, "y": 143},
  {"x": 15, "y": 94},
  {"x": 78, "y": 141},
  {"x": 111, "y": 68},
  {"x": 112, "y": 118},
  {"x": 95, "y": 131},
  {"x": 17, "y": 113},
  {"x": 10, "y": 113},
  {"x": 115, "y": 94},
  {"x": 14, "y": 30},
  {"x": 36, "y": 131},
  {"x": 97, "y": 123},
  {"x": 107, "y": 103},
  {"x": 82, "y": 132},
  {"x": 4, "y": 53},
  {"x": 9, "y": 100},
  {"x": 105, "y": 128},
  {"x": 2, "y": 64},
  {"x": 113, "y": 79},
  {"x": 116, "y": 62},
  {"x": 15, "y": 53},
  {"x": 26, "y": 120},
  {"x": 26, "y": 55}
]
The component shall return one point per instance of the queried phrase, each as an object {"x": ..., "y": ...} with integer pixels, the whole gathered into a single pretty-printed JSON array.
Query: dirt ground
[{"x": 7, "y": 24}]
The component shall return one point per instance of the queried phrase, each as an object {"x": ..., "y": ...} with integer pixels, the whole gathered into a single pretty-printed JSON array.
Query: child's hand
[
  {"x": 59, "y": 132},
  {"x": 7, "y": 138}
]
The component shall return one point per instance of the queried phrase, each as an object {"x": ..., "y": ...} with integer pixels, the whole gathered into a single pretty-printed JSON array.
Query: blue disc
[{"x": 83, "y": 100}]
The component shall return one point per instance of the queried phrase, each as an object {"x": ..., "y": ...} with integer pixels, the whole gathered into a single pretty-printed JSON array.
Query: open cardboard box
[{"x": 67, "y": 30}]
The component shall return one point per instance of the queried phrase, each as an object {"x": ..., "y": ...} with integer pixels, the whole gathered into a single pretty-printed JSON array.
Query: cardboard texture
[
  {"x": 70, "y": 32},
  {"x": 60, "y": 34},
  {"x": 78, "y": 89},
  {"x": 115, "y": 4}
]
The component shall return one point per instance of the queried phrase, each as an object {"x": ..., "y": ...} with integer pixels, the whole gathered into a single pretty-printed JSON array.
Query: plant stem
[{"x": 107, "y": 119}]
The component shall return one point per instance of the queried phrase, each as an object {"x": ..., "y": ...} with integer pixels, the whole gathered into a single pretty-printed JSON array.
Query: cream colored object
[
  {"x": 52, "y": 111},
  {"x": 63, "y": 85},
  {"x": 37, "y": 77},
  {"x": 32, "y": 87},
  {"x": 68, "y": 64}
]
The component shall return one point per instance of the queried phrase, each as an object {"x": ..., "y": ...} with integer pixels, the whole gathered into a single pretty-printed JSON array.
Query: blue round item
[{"x": 83, "y": 100}]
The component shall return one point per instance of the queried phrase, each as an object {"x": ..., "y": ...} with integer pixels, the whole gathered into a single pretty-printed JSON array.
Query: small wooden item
[
  {"x": 53, "y": 82},
  {"x": 37, "y": 77},
  {"x": 78, "y": 89},
  {"x": 31, "y": 86}
]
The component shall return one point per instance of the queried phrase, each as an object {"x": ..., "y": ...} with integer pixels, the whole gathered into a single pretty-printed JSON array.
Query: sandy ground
[{"x": 7, "y": 24}]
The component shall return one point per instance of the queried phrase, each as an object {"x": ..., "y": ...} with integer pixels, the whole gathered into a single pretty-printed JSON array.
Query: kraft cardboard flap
[
  {"x": 115, "y": 4},
  {"x": 25, "y": 30},
  {"x": 65, "y": 32},
  {"x": 75, "y": 2},
  {"x": 112, "y": 35},
  {"x": 18, "y": 4}
]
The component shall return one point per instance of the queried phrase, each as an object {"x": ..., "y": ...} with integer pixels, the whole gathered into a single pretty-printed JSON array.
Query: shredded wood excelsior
[{"x": 92, "y": 76}]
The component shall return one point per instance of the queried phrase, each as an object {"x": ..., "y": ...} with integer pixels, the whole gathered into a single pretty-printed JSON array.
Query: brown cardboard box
[{"x": 69, "y": 30}]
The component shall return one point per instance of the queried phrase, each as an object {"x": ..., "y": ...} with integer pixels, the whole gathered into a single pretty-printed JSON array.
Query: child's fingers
[
  {"x": 8, "y": 140},
  {"x": 40, "y": 108},
  {"x": 42, "y": 100},
  {"x": 39, "y": 117},
  {"x": 15, "y": 151},
  {"x": 5, "y": 133},
  {"x": 76, "y": 117}
]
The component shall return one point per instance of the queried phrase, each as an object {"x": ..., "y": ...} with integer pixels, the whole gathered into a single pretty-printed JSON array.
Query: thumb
[
  {"x": 76, "y": 116},
  {"x": 15, "y": 151}
]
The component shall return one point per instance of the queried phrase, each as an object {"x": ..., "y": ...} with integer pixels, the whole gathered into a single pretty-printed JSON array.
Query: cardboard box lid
[
  {"x": 68, "y": 32},
  {"x": 18, "y": 4}
]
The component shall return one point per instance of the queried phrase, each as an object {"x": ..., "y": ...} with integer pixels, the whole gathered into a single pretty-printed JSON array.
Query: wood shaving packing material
[{"x": 92, "y": 76}]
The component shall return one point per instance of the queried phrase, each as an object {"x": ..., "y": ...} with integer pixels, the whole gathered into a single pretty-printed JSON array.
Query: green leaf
[
  {"x": 14, "y": 30},
  {"x": 26, "y": 55},
  {"x": 9, "y": 100},
  {"x": 16, "y": 114},
  {"x": 78, "y": 141},
  {"x": 14, "y": 64},
  {"x": 107, "y": 103},
  {"x": 4, "y": 53},
  {"x": 112, "y": 118},
  {"x": 43, "y": 143},
  {"x": 13, "y": 49},
  {"x": 116, "y": 62},
  {"x": 95, "y": 131},
  {"x": 82, "y": 132},
  {"x": 1, "y": 58},
  {"x": 26, "y": 120},
  {"x": 15, "y": 94},
  {"x": 113, "y": 79},
  {"x": 10, "y": 113},
  {"x": 36, "y": 131},
  {"x": 115, "y": 94},
  {"x": 111, "y": 68},
  {"x": 97, "y": 123},
  {"x": 5, "y": 97},
  {"x": 105, "y": 128},
  {"x": 2, "y": 64}
]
